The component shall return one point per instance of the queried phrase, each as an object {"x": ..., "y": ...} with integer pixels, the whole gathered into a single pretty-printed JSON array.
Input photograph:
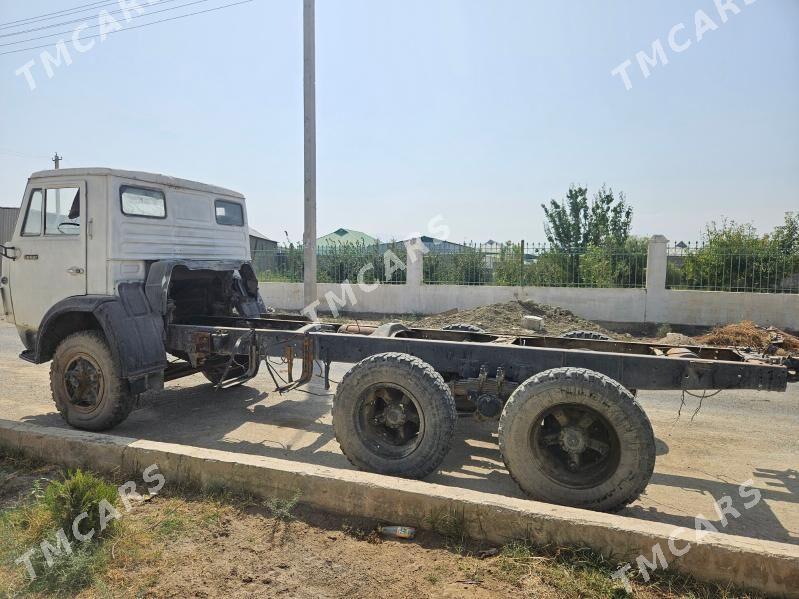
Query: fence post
[
  {"x": 656, "y": 260},
  {"x": 415, "y": 250},
  {"x": 521, "y": 263}
]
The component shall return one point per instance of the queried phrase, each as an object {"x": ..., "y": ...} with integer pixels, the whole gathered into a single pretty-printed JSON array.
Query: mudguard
[{"x": 134, "y": 332}]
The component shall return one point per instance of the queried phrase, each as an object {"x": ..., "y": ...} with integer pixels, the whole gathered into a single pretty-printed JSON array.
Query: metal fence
[
  {"x": 540, "y": 265},
  {"x": 356, "y": 263},
  {"x": 759, "y": 268},
  {"x": 508, "y": 264}
]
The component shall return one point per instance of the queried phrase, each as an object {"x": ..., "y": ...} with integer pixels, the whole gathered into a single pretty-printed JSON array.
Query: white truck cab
[
  {"x": 102, "y": 261},
  {"x": 84, "y": 231}
]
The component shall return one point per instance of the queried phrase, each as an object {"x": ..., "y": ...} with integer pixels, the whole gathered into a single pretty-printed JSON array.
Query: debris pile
[
  {"x": 507, "y": 318},
  {"x": 748, "y": 334}
]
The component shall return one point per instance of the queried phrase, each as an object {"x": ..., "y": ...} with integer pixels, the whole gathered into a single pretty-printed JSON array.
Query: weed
[
  {"x": 451, "y": 525},
  {"x": 663, "y": 330},
  {"x": 282, "y": 509},
  {"x": 80, "y": 493},
  {"x": 68, "y": 573}
]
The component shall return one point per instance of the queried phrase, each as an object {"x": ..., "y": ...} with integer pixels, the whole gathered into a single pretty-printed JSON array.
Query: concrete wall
[{"x": 653, "y": 304}]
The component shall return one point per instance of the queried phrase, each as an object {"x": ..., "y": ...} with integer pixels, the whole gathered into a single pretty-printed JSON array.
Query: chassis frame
[{"x": 475, "y": 356}]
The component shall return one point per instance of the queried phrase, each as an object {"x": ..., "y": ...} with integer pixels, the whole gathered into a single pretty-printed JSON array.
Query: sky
[{"x": 466, "y": 113}]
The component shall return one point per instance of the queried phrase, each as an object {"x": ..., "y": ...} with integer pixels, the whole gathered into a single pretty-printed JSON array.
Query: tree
[{"x": 577, "y": 223}]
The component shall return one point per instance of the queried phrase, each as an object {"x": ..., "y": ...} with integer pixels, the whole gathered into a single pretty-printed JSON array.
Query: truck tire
[
  {"x": 394, "y": 414},
  {"x": 576, "y": 437},
  {"x": 586, "y": 335},
  {"x": 214, "y": 373},
  {"x": 462, "y": 326},
  {"x": 86, "y": 384}
]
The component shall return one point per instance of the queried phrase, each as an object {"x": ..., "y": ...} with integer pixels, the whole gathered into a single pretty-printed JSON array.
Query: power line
[
  {"x": 191, "y": 14},
  {"x": 45, "y": 16},
  {"x": 155, "y": 12},
  {"x": 51, "y": 25}
]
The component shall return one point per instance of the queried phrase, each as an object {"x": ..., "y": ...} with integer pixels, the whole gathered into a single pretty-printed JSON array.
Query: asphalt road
[{"x": 735, "y": 437}]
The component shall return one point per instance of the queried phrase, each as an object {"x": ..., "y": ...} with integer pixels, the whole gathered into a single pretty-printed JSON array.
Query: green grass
[
  {"x": 282, "y": 509},
  {"x": 39, "y": 517}
]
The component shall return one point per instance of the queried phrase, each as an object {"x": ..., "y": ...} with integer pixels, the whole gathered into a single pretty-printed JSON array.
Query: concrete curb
[{"x": 764, "y": 566}]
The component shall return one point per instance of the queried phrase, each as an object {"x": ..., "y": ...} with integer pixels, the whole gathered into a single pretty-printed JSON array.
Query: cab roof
[{"x": 137, "y": 176}]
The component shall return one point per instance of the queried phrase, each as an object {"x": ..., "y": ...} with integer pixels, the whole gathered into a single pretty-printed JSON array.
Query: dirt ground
[{"x": 189, "y": 544}]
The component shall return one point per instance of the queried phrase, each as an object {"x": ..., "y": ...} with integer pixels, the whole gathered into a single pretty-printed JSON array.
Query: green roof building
[{"x": 345, "y": 236}]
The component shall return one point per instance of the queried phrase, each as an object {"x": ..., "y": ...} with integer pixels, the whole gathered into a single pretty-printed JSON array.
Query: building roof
[
  {"x": 346, "y": 236},
  {"x": 254, "y": 233},
  {"x": 138, "y": 176}
]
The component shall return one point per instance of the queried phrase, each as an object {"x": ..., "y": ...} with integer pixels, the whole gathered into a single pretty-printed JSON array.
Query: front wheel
[
  {"x": 394, "y": 414},
  {"x": 86, "y": 384},
  {"x": 575, "y": 437}
]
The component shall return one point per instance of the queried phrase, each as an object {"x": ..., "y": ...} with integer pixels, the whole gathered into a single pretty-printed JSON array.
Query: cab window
[
  {"x": 229, "y": 213},
  {"x": 33, "y": 217},
  {"x": 62, "y": 211},
  {"x": 137, "y": 201}
]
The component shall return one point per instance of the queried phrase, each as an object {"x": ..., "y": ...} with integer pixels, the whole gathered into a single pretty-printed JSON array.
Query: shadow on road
[{"x": 298, "y": 426}]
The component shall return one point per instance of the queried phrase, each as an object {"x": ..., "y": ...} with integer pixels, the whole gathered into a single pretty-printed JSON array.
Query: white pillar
[
  {"x": 414, "y": 274},
  {"x": 656, "y": 261}
]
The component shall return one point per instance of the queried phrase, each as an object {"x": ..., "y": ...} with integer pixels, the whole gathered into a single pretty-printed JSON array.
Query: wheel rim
[
  {"x": 575, "y": 445},
  {"x": 84, "y": 383},
  {"x": 389, "y": 421}
]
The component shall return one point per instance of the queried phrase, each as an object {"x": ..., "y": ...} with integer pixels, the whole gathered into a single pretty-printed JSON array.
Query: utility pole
[
  {"x": 57, "y": 160},
  {"x": 309, "y": 88}
]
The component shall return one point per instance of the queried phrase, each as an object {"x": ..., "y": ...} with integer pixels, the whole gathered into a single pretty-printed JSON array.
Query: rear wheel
[
  {"x": 394, "y": 414},
  {"x": 86, "y": 384},
  {"x": 576, "y": 437}
]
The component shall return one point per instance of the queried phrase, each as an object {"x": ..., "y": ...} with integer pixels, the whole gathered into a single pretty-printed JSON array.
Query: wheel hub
[
  {"x": 83, "y": 383},
  {"x": 395, "y": 415},
  {"x": 572, "y": 440}
]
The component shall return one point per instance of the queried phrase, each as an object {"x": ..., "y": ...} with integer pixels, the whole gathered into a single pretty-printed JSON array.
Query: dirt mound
[
  {"x": 677, "y": 339},
  {"x": 507, "y": 318},
  {"x": 748, "y": 334}
]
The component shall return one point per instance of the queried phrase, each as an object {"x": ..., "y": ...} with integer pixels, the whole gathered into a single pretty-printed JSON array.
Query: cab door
[{"x": 50, "y": 249}]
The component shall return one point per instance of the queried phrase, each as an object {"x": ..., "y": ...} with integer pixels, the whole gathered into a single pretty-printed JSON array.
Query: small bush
[{"x": 80, "y": 492}]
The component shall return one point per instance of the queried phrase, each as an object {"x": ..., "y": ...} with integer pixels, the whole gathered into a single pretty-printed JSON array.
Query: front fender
[{"x": 134, "y": 332}]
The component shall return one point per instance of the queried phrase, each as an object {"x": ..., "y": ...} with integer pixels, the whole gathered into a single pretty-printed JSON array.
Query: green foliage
[
  {"x": 361, "y": 263},
  {"x": 577, "y": 222},
  {"x": 734, "y": 257},
  {"x": 41, "y": 517},
  {"x": 595, "y": 266},
  {"x": 70, "y": 572},
  {"x": 466, "y": 267},
  {"x": 283, "y": 509},
  {"x": 614, "y": 266},
  {"x": 80, "y": 492}
]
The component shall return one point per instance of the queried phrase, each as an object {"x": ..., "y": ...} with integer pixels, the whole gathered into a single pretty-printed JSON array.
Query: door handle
[{"x": 75, "y": 270}]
